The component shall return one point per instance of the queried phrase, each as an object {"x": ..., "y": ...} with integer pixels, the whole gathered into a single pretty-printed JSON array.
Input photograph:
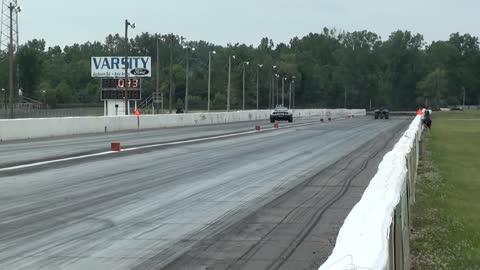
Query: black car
[
  {"x": 381, "y": 113},
  {"x": 281, "y": 114}
]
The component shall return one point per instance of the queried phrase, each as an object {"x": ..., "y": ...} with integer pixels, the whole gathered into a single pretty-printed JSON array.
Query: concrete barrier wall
[
  {"x": 19, "y": 129},
  {"x": 375, "y": 234}
]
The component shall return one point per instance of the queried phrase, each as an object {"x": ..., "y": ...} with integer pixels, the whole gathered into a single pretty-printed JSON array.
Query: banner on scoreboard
[{"x": 114, "y": 66}]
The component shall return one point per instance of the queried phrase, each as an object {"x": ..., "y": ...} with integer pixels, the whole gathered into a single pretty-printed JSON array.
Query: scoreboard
[
  {"x": 119, "y": 83},
  {"x": 120, "y": 94},
  {"x": 114, "y": 88}
]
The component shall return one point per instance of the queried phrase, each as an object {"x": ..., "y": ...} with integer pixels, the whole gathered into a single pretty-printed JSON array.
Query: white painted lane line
[
  {"x": 54, "y": 161},
  {"x": 187, "y": 141}
]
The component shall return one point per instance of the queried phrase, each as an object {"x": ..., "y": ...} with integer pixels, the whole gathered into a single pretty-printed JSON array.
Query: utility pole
[
  {"x": 345, "y": 100},
  {"x": 283, "y": 91},
  {"x": 464, "y": 93}
]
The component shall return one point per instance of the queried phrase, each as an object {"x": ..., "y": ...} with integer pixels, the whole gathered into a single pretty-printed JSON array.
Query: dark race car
[
  {"x": 281, "y": 114},
  {"x": 180, "y": 110},
  {"x": 381, "y": 113}
]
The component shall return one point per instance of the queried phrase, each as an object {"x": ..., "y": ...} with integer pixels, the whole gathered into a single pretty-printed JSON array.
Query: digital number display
[
  {"x": 119, "y": 83},
  {"x": 120, "y": 94}
]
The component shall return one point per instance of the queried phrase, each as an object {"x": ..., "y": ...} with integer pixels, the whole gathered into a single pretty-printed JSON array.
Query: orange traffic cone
[
  {"x": 137, "y": 112},
  {"x": 419, "y": 111}
]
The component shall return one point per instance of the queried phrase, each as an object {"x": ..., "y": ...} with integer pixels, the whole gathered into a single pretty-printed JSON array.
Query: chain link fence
[{"x": 33, "y": 111}]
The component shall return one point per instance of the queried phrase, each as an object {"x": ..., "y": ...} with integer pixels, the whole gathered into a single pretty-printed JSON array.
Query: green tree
[
  {"x": 401, "y": 69},
  {"x": 433, "y": 89},
  {"x": 30, "y": 59},
  {"x": 64, "y": 93},
  {"x": 397, "y": 72}
]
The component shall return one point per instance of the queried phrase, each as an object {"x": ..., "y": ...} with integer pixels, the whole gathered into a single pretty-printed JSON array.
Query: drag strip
[{"x": 241, "y": 202}]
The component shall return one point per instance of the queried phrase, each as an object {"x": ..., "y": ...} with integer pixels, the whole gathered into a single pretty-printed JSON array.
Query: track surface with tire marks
[
  {"x": 271, "y": 200},
  {"x": 306, "y": 213}
]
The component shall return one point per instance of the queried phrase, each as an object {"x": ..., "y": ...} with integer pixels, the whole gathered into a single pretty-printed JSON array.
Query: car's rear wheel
[
  {"x": 272, "y": 120},
  {"x": 290, "y": 119}
]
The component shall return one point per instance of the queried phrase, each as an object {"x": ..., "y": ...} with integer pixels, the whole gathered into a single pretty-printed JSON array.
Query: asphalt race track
[{"x": 267, "y": 200}]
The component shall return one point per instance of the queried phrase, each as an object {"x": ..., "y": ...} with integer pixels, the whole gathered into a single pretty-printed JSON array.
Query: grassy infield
[{"x": 446, "y": 224}]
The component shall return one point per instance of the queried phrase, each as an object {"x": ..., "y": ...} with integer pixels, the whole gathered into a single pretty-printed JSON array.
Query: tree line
[{"x": 331, "y": 69}]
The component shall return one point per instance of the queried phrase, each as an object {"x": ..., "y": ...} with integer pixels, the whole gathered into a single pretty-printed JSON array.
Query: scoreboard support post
[{"x": 115, "y": 107}]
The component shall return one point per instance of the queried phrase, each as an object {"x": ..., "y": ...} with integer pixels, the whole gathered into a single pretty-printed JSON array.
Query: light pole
[
  {"x": 275, "y": 98},
  {"x": 187, "y": 75},
  {"x": 44, "y": 95},
  {"x": 258, "y": 79},
  {"x": 209, "y": 77},
  {"x": 4, "y": 100},
  {"x": 272, "y": 89},
  {"x": 243, "y": 91},
  {"x": 12, "y": 8},
  {"x": 283, "y": 91},
  {"x": 229, "y": 80},
  {"x": 290, "y": 95},
  {"x": 132, "y": 25},
  {"x": 170, "y": 75},
  {"x": 293, "y": 94},
  {"x": 157, "y": 81}
]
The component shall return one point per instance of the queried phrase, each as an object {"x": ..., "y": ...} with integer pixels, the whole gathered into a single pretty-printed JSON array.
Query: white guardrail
[
  {"x": 18, "y": 129},
  {"x": 375, "y": 234}
]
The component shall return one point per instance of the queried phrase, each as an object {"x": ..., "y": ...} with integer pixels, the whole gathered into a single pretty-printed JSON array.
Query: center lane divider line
[
  {"x": 41, "y": 163},
  {"x": 36, "y": 164}
]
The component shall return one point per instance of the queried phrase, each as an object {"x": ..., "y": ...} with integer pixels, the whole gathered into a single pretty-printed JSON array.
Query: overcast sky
[{"x": 64, "y": 22}]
